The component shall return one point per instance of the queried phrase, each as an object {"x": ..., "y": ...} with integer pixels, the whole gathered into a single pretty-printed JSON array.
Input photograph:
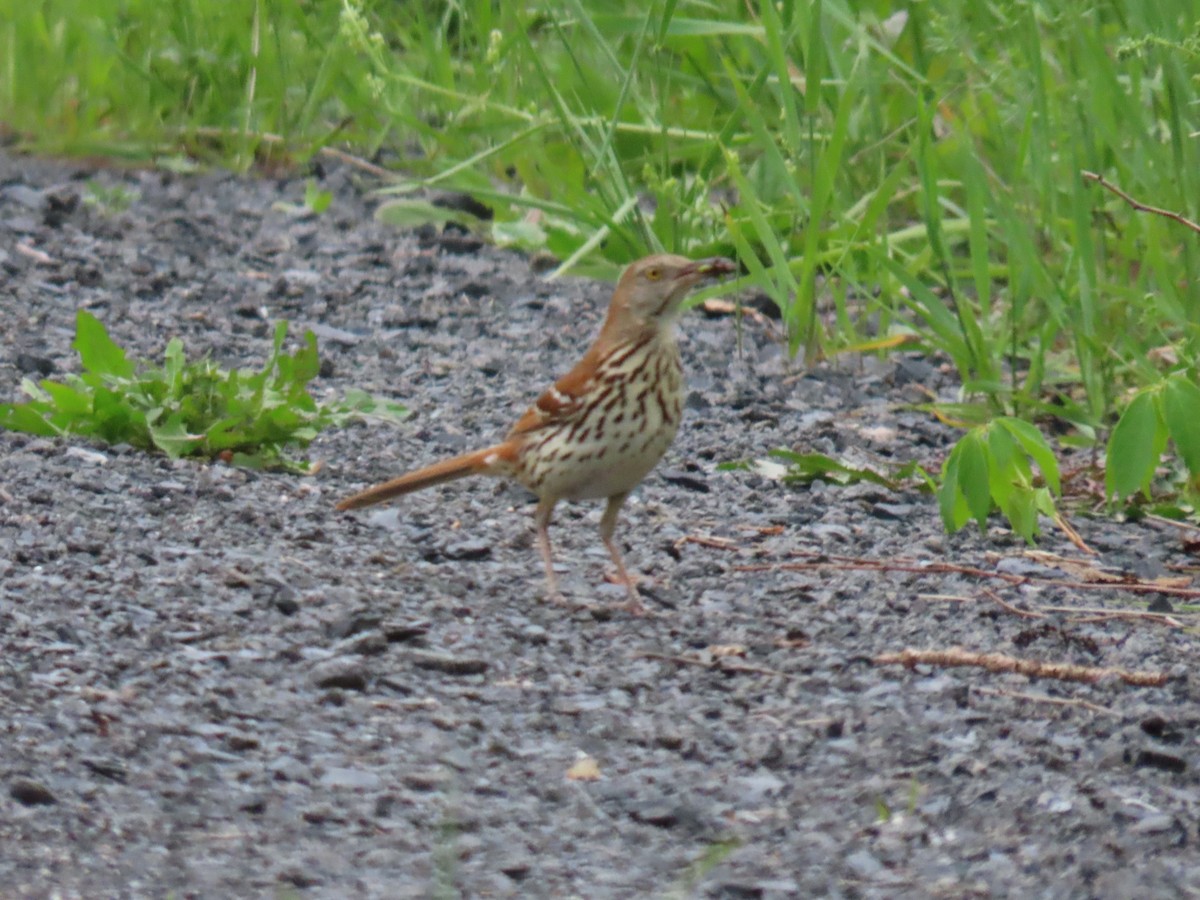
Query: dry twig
[
  {"x": 719, "y": 664},
  {"x": 1174, "y": 523},
  {"x": 1008, "y": 607},
  {"x": 852, "y": 563},
  {"x": 1091, "y": 613},
  {"x": 1042, "y": 698},
  {"x": 42, "y": 259},
  {"x": 1139, "y": 205},
  {"x": 1030, "y": 668},
  {"x": 1099, "y": 614},
  {"x": 210, "y": 132},
  {"x": 710, "y": 541},
  {"x": 1072, "y": 535}
]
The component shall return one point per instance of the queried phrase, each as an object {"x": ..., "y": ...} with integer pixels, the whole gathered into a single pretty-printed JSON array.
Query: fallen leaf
[
  {"x": 585, "y": 769},
  {"x": 717, "y": 306},
  {"x": 768, "y": 529},
  {"x": 720, "y": 650},
  {"x": 881, "y": 434},
  {"x": 1166, "y": 356},
  {"x": 792, "y": 642},
  {"x": 1080, "y": 570}
]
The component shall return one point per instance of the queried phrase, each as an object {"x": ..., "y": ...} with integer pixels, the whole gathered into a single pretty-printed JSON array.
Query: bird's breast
[{"x": 626, "y": 420}]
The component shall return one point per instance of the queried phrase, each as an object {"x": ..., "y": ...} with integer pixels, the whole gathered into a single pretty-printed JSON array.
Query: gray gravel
[{"x": 211, "y": 684}]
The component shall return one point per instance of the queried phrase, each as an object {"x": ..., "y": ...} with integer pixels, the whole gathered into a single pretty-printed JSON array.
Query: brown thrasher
[{"x": 604, "y": 425}]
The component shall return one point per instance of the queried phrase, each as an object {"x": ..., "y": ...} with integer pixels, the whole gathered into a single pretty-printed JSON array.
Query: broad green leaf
[
  {"x": 737, "y": 465},
  {"x": 316, "y": 199},
  {"x": 282, "y": 418},
  {"x": 306, "y": 362},
  {"x": 173, "y": 439},
  {"x": 302, "y": 434},
  {"x": 1021, "y": 511},
  {"x": 224, "y": 434},
  {"x": 250, "y": 384},
  {"x": 31, "y": 389},
  {"x": 357, "y": 402},
  {"x": 1003, "y": 475},
  {"x": 1134, "y": 448},
  {"x": 97, "y": 351},
  {"x": 415, "y": 213},
  {"x": 69, "y": 400},
  {"x": 255, "y": 460},
  {"x": 1035, "y": 445},
  {"x": 1045, "y": 502},
  {"x": 951, "y": 502},
  {"x": 525, "y": 235},
  {"x": 115, "y": 421},
  {"x": 25, "y": 417},
  {"x": 173, "y": 366},
  {"x": 973, "y": 476},
  {"x": 806, "y": 467},
  {"x": 913, "y": 469},
  {"x": 280, "y": 335},
  {"x": 1181, "y": 409}
]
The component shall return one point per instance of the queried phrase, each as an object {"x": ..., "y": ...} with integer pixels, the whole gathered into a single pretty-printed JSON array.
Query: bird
[{"x": 602, "y": 427}]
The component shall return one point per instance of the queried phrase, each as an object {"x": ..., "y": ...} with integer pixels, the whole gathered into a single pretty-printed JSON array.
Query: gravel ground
[{"x": 211, "y": 684}]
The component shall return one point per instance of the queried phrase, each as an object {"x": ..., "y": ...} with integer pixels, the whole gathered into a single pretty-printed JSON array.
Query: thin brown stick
[
  {"x": 267, "y": 137},
  {"x": 1100, "y": 613},
  {"x": 1005, "y": 605},
  {"x": 1030, "y": 668},
  {"x": 42, "y": 259},
  {"x": 1163, "y": 520},
  {"x": 1072, "y": 535},
  {"x": 1042, "y": 698},
  {"x": 359, "y": 163},
  {"x": 946, "y": 598},
  {"x": 1139, "y": 205},
  {"x": 933, "y": 568},
  {"x": 717, "y": 665},
  {"x": 1092, "y": 613},
  {"x": 712, "y": 542}
]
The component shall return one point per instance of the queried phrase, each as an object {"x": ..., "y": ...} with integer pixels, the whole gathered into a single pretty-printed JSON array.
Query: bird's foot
[
  {"x": 555, "y": 597},
  {"x": 633, "y": 605}
]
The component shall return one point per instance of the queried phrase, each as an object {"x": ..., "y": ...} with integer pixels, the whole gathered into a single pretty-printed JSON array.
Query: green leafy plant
[
  {"x": 805, "y": 468},
  {"x": 110, "y": 200},
  {"x": 316, "y": 201},
  {"x": 253, "y": 417},
  {"x": 1169, "y": 409},
  {"x": 989, "y": 469},
  {"x": 700, "y": 868}
]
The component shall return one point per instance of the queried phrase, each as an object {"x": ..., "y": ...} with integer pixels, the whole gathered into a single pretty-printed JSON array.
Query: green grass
[
  {"x": 878, "y": 175},
  {"x": 141, "y": 79}
]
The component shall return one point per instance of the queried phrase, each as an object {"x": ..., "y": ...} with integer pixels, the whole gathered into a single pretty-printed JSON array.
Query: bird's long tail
[{"x": 489, "y": 461}]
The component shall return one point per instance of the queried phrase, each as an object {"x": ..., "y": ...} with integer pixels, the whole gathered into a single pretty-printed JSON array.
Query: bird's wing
[{"x": 563, "y": 401}]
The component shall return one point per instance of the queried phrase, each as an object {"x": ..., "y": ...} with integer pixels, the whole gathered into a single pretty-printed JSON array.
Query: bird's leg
[
  {"x": 545, "y": 509},
  {"x": 608, "y": 524}
]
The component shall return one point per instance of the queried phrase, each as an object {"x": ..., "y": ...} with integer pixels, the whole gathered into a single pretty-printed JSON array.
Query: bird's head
[{"x": 651, "y": 290}]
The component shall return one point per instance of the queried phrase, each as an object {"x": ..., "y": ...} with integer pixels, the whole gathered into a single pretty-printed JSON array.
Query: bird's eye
[{"x": 653, "y": 274}]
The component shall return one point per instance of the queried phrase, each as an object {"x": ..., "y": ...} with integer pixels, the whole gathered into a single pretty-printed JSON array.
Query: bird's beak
[{"x": 707, "y": 268}]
